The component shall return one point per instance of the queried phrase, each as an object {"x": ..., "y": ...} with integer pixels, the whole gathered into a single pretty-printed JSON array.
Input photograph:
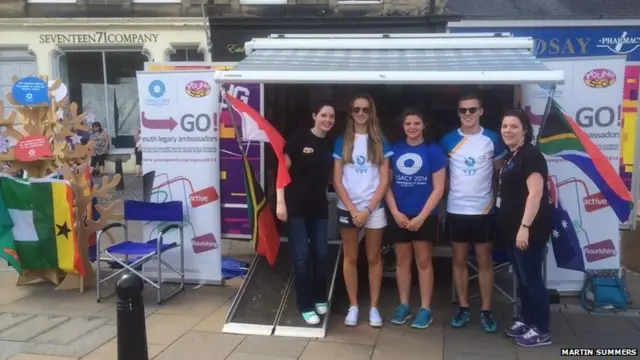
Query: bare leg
[
  {"x": 403, "y": 270},
  {"x": 461, "y": 272},
  {"x": 373, "y": 243},
  {"x": 423, "y": 251},
  {"x": 350, "y": 263},
  {"x": 485, "y": 273}
]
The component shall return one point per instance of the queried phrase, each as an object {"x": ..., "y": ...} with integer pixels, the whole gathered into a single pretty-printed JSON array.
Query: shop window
[
  {"x": 187, "y": 54},
  {"x": 263, "y": 2},
  {"x": 104, "y": 85}
]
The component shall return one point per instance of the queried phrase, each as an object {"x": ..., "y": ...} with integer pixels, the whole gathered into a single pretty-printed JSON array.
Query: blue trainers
[
  {"x": 423, "y": 319},
  {"x": 461, "y": 319},
  {"x": 518, "y": 328},
  {"x": 533, "y": 338},
  {"x": 401, "y": 314},
  {"x": 488, "y": 324}
]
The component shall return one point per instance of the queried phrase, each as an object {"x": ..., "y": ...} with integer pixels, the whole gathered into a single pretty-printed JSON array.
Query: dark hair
[
  {"x": 426, "y": 133},
  {"x": 98, "y": 125},
  {"x": 318, "y": 105},
  {"x": 524, "y": 121},
  {"x": 471, "y": 97}
]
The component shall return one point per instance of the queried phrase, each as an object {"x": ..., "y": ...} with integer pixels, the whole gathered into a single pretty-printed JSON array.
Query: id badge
[{"x": 498, "y": 202}]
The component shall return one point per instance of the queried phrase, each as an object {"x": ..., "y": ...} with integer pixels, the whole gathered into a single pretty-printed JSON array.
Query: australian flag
[{"x": 564, "y": 239}]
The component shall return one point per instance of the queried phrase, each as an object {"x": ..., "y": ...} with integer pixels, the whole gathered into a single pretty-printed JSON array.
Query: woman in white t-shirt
[{"x": 361, "y": 180}]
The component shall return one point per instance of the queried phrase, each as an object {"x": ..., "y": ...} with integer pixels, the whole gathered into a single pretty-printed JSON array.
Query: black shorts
[
  {"x": 429, "y": 231},
  {"x": 470, "y": 228},
  {"x": 138, "y": 157}
]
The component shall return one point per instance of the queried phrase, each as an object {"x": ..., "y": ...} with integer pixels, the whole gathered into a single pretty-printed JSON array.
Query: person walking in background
[
  {"x": 417, "y": 186},
  {"x": 102, "y": 142},
  {"x": 474, "y": 154},
  {"x": 138, "y": 152},
  {"x": 305, "y": 210},
  {"x": 361, "y": 179},
  {"x": 524, "y": 225}
]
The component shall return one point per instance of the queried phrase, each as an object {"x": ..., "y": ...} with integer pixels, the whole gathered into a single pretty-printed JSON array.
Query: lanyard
[{"x": 508, "y": 162}]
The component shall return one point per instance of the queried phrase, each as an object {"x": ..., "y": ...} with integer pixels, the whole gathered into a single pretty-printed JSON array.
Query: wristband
[{"x": 524, "y": 226}]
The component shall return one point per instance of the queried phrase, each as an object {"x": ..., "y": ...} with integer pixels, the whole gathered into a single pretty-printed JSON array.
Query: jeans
[
  {"x": 534, "y": 298},
  {"x": 309, "y": 251}
]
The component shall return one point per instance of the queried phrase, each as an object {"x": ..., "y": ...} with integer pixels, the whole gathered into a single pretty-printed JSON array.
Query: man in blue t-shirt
[{"x": 474, "y": 153}]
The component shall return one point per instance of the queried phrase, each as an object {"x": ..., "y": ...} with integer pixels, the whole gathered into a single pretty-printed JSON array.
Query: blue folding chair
[
  {"x": 137, "y": 254},
  {"x": 501, "y": 264}
]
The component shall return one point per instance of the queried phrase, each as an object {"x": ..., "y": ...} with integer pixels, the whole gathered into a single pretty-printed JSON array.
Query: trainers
[
  {"x": 488, "y": 324},
  {"x": 517, "y": 329},
  {"x": 322, "y": 308},
  {"x": 374, "y": 318},
  {"x": 401, "y": 314},
  {"x": 311, "y": 318},
  {"x": 423, "y": 319},
  {"x": 461, "y": 319},
  {"x": 352, "y": 316},
  {"x": 532, "y": 339}
]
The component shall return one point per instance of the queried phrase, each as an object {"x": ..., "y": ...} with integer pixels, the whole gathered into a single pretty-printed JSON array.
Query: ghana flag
[
  {"x": 264, "y": 232},
  {"x": 562, "y": 137},
  {"x": 43, "y": 217}
]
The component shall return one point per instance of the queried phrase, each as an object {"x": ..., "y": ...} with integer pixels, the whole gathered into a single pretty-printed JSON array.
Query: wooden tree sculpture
[
  {"x": 85, "y": 226},
  {"x": 59, "y": 127}
]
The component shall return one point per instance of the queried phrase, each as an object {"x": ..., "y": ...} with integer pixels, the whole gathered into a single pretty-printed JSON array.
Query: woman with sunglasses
[
  {"x": 361, "y": 179},
  {"x": 417, "y": 185}
]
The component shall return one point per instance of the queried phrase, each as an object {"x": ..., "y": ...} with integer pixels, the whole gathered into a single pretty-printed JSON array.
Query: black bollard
[
  {"x": 120, "y": 185},
  {"x": 132, "y": 330}
]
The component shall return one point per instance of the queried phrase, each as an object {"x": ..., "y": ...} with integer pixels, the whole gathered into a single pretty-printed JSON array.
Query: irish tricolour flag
[{"x": 42, "y": 215}]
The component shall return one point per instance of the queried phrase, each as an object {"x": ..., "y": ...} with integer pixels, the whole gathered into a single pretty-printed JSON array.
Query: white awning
[{"x": 446, "y": 59}]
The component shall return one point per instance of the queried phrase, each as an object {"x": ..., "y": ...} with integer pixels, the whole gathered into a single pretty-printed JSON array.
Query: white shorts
[{"x": 377, "y": 219}]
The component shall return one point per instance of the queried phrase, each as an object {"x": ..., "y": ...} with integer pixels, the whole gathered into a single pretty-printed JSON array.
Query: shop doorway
[{"x": 103, "y": 84}]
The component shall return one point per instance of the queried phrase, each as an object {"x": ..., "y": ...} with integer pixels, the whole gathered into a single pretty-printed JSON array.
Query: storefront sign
[
  {"x": 99, "y": 37},
  {"x": 562, "y": 42}
]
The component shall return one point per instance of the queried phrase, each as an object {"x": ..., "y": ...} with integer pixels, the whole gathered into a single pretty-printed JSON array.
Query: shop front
[
  {"x": 602, "y": 63},
  {"x": 97, "y": 59}
]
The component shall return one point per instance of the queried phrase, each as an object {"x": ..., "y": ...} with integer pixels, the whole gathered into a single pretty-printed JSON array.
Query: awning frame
[{"x": 379, "y": 42}]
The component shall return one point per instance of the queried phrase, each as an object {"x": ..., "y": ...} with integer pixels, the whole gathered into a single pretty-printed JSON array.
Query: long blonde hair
[{"x": 374, "y": 140}]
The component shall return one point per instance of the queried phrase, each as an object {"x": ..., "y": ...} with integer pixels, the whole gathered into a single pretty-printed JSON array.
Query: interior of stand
[{"x": 289, "y": 106}]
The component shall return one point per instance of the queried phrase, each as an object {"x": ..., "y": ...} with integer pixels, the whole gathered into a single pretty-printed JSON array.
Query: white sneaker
[
  {"x": 322, "y": 308},
  {"x": 311, "y": 318},
  {"x": 374, "y": 317},
  {"x": 352, "y": 316}
]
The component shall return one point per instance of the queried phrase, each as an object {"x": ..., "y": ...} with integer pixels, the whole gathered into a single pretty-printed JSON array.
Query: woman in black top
[
  {"x": 308, "y": 158},
  {"x": 524, "y": 226}
]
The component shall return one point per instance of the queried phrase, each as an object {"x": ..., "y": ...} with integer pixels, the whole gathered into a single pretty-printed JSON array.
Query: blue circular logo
[{"x": 157, "y": 88}]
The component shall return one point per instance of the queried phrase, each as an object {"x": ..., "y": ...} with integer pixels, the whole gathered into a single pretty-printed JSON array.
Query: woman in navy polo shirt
[{"x": 417, "y": 185}]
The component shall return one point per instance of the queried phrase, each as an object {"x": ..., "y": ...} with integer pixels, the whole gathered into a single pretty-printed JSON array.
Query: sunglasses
[
  {"x": 471, "y": 110},
  {"x": 358, "y": 109}
]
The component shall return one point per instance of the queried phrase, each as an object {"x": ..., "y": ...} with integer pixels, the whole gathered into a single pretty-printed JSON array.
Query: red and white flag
[{"x": 257, "y": 128}]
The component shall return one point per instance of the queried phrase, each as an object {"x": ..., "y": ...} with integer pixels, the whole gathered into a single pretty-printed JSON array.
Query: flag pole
[{"x": 547, "y": 111}]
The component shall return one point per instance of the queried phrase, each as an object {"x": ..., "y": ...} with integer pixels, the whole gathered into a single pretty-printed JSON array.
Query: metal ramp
[{"x": 266, "y": 303}]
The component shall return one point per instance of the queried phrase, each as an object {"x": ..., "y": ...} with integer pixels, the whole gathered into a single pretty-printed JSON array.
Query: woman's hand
[
  {"x": 281, "y": 211},
  {"x": 522, "y": 239},
  {"x": 416, "y": 223},
  {"x": 401, "y": 219},
  {"x": 360, "y": 218}
]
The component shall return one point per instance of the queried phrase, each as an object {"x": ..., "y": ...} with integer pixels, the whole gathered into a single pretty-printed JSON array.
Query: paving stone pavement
[{"x": 39, "y": 323}]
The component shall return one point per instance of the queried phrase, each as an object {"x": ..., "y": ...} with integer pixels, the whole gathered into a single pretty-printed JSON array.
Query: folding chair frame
[
  {"x": 497, "y": 269},
  {"x": 126, "y": 267}
]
